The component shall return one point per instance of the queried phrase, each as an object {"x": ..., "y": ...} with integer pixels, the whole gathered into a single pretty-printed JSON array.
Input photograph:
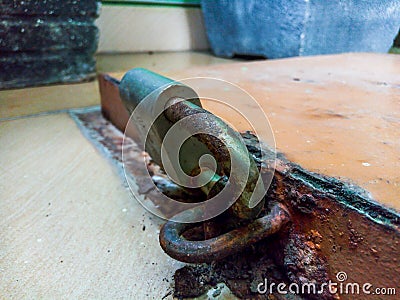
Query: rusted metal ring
[
  {"x": 219, "y": 135},
  {"x": 181, "y": 249}
]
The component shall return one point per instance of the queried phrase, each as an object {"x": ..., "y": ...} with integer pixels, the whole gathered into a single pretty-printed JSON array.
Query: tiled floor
[{"x": 68, "y": 226}]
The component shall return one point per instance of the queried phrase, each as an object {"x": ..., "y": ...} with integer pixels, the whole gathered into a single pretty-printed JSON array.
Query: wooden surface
[{"x": 337, "y": 115}]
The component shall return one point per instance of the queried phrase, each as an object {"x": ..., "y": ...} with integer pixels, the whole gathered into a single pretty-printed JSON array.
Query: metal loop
[
  {"x": 178, "y": 247},
  {"x": 219, "y": 136}
]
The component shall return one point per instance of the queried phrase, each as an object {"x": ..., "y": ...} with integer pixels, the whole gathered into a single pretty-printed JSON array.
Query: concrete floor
[{"x": 68, "y": 226}]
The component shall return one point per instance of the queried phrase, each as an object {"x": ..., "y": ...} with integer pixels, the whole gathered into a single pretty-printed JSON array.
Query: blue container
[{"x": 285, "y": 28}]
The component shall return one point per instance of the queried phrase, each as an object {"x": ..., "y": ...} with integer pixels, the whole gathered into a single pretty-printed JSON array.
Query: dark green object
[
  {"x": 48, "y": 41},
  {"x": 157, "y": 103},
  {"x": 154, "y": 91}
]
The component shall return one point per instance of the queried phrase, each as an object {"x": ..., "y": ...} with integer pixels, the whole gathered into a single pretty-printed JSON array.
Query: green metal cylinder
[{"x": 150, "y": 92}]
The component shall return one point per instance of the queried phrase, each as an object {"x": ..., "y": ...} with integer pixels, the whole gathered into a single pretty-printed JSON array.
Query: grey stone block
[
  {"x": 54, "y": 8},
  {"x": 45, "y": 35},
  {"x": 25, "y": 69},
  {"x": 48, "y": 41}
]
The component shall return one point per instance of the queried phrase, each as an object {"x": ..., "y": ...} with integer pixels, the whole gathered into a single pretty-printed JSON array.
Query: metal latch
[{"x": 164, "y": 103}]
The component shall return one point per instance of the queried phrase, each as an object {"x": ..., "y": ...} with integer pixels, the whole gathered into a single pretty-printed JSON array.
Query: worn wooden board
[{"x": 337, "y": 115}]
